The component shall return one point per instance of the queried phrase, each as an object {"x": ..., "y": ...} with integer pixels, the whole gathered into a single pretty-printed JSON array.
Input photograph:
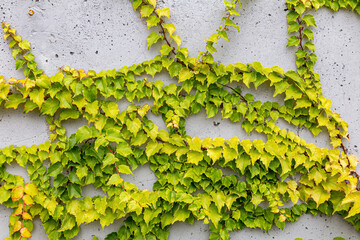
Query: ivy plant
[{"x": 191, "y": 185}]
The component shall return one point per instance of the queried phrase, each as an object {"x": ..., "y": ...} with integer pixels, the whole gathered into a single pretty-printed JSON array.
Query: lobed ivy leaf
[
  {"x": 4, "y": 195},
  {"x": 293, "y": 41},
  {"x": 309, "y": 20},
  {"x": 163, "y": 12},
  {"x": 194, "y": 157},
  {"x": 153, "y": 38},
  {"x": 170, "y": 28},
  {"x": 17, "y": 193},
  {"x": 115, "y": 180},
  {"x": 146, "y": 10}
]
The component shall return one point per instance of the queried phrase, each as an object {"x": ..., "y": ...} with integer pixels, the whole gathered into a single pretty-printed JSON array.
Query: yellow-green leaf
[
  {"x": 194, "y": 157},
  {"x": 17, "y": 193},
  {"x": 31, "y": 189},
  {"x": 320, "y": 195},
  {"x": 163, "y": 12},
  {"x": 25, "y": 232}
]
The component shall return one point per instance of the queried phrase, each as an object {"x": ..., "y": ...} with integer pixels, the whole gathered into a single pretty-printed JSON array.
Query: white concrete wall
[{"x": 107, "y": 34}]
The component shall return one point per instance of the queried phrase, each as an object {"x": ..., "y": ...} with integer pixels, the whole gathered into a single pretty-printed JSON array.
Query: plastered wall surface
[{"x": 107, "y": 34}]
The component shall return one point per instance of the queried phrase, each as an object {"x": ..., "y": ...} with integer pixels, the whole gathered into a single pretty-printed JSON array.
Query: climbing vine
[{"x": 190, "y": 183}]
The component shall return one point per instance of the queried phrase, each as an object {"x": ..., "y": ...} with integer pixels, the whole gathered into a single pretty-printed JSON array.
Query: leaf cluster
[{"x": 191, "y": 184}]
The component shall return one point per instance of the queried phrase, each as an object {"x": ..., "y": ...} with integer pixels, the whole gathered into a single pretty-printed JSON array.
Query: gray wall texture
[{"x": 107, "y": 34}]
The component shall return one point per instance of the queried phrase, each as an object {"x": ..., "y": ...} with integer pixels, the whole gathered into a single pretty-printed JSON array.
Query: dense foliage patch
[{"x": 190, "y": 182}]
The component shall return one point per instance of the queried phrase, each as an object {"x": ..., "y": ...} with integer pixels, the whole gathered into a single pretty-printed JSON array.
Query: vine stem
[
  {"x": 223, "y": 29},
  {"x": 242, "y": 97},
  {"x": 164, "y": 34},
  {"x": 345, "y": 151},
  {"x": 300, "y": 33},
  {"x": 117, "y": 170}
]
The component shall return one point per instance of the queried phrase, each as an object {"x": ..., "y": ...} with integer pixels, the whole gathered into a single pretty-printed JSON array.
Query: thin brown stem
[
  {"x": 164, "y": 33},
  {"x": 241, "y": 96},
  {"x": 117, "y": 170}
]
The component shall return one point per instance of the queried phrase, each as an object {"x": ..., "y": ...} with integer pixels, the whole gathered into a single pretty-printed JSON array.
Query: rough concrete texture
[{"x": 107, "y": 34}]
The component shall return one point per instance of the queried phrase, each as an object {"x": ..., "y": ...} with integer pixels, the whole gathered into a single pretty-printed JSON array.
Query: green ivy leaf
[
  {"x": 163, "y": 12},
  {"x": 67, "y": 223},
  {"x": 146, "y": 10},
  {"x": 115, "y": 180},
  {"x": 165, "y": 49},
  {"x": 82, "y": 133},
  {"x": 31, "y": 189},
  {"x": 74, "y": 190},
  {"x": 124, "y": 149},
  {"x": 194, "y": 157},
  {"x": 55, "y": 169},
  {"x": 170, "y": 28},
  {"x": 320, "y": 195},
  {"x": 153, "y": 38},
  {"x": 111, "y": 109},
  {"x": 308, "y": 33},
  {"x": 133, "y": 125},
  {"x": 310, "y": 46},
  {"x": 223, "y": 35},
  {"x": 25, "y": 45},
  {"x": 211, "y": 110},
  {"x": 293, "y": 41},
  {"x": 37, "y": 96},
  {"x": 14, "y": 101},
  {"x": 185, "y": 74},
  {"x": 280, "y": 87},
  {"x": 249, "y": 78},
  {"x": 213, "y": 214},
  {"x": 19, "y": 63},
  {"x": 124, "y": 169},
  {"x": 177, "y": 39},
  {"x": 309, "y": 20},
  {"x": 152, "y": 21},
  {"x": 65, "y": 99},
  {"x": 292, "y": 16},
  {"x": 4, "y": 195},
  {"x": 152, "y": 148},
  {"x": 107, "y": 218}
]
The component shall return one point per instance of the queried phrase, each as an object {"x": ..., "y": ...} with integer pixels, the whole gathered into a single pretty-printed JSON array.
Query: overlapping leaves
[{"x": 191, "y": 184}]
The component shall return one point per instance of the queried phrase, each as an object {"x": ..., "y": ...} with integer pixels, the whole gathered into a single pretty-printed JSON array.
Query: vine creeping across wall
[{"x": 189, "y": 187}]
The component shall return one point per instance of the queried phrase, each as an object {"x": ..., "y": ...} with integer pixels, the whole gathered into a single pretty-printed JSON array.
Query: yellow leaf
[
  {"x": 214, "y": 153},
  {"x": 170, "y": 28},
  {"x": 206, "y": 143},
  {"x": 320, "y": 195},
  {"x": 246, "y": 144},
  {"x": 229, "y": 154},
  {"x": 355, "y": 198},
  {"x": 17, "y": 226},
  {"x": 142, "y": 111},
  {"x": 195, "y": 144},
  {"x": 194, "y": 157},
  {"x": 353, "y": 160},
  {"x": 19, "y": 210},
  {"x": 233, "y": 143},
  {"x": 177, "y": 39},
  {"x": 218, "y": 142},
  {"x": 25, "y": 232},
  {"x": 153, "y": 2},
  {"x": 28, "y": 200},
  {"x": 266, "y": 158},
  {"x": 163, "y": 12},
  {"x": 185, "y": 74},
  {"x": 17, "y": 193},
  {"x": 26, "y": 216}
]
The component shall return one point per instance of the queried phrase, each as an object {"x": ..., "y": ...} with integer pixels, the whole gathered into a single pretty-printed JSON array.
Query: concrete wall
[{"x": 107, "y": 34}]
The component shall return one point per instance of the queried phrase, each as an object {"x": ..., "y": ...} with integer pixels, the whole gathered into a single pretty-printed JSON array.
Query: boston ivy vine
[{"x": 191, "y": 185}]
